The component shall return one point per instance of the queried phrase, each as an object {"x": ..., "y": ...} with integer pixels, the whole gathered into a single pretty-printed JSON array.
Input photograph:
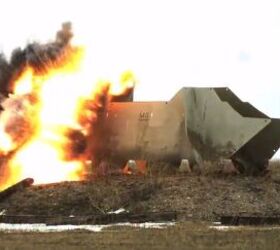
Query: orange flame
[{"x": 51, "y": 105}]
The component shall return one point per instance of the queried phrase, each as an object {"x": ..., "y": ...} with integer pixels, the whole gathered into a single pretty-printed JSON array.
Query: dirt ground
[
  {"x": 203, "y": 196},
  {"x": 185, "y": 235}
]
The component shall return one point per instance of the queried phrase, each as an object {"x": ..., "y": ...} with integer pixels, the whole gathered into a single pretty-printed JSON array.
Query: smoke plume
[{"x": 35, "y": 55}]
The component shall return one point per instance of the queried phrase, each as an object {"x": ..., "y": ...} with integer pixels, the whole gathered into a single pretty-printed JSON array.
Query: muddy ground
[{"x": 202, "y": 196}]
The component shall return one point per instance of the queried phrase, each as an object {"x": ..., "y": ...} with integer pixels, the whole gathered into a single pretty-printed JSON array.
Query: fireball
[{"x": 46, "y": 120}]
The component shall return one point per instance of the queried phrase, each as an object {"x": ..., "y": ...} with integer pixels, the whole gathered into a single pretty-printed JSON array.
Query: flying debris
[{"x": 197, "y": 124}]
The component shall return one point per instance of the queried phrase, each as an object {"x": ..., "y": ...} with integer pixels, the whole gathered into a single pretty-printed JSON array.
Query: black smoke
[{"x": 36, "y": 55}]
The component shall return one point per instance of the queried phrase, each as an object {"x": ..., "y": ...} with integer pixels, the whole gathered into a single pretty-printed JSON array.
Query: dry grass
[
  {"x": 204, "y": 195},
  {"x": 82, "y": 198},
  {"x": 182, "y": 236}
]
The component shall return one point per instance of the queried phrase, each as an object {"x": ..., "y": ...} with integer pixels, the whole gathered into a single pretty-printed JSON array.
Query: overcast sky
[{"x": 168, "y": 44}]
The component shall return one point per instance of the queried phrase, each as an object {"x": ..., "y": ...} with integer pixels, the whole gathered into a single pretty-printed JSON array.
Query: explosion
[{"x": 50, "y": 110}]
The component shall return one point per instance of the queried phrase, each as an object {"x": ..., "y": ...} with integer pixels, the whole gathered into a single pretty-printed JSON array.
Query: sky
[{"x": 168, "y": 44}]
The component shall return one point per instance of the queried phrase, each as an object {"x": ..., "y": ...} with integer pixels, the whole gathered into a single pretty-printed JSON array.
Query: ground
[
  {"x": 199, "y": 198},
  {"x": 204, "y": 196},
  {"x": 185, "y": 235}
]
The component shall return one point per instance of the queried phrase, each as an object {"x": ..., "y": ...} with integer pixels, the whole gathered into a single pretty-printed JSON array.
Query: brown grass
[
  {"x": 204, "y": 196},
  {"x": 182, "y": 236}
]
